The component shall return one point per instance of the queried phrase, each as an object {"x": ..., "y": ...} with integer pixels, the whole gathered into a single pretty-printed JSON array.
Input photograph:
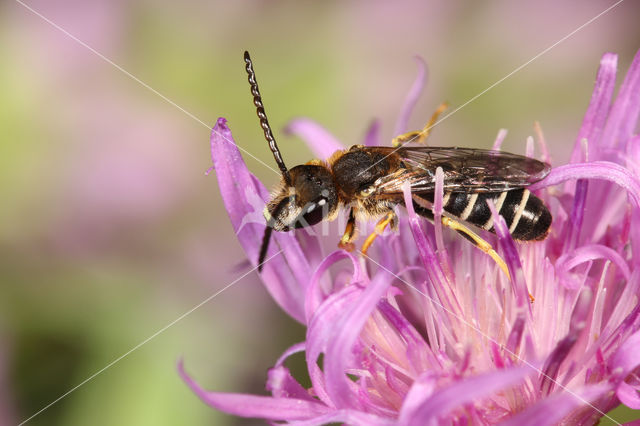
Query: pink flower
[{"x": 430, "y": 330}]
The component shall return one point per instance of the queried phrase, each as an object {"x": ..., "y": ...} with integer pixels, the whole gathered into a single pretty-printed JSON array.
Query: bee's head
[
  {"x": 310, "y": 198},
  {"x": 308, "y": 193}
]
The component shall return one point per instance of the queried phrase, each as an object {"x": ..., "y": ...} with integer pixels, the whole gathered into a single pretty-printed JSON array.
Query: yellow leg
[
  {"x": 481, "y": 244},
  {"x": 346, "y": 242},
  {"x": 379, "y": 229},
  {"x": 478, "y": 241},
  {"x": 420, "y": 135}
]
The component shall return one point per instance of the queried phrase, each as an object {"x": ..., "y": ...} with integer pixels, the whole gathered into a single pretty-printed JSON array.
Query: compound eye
[
  {"x": 367, "y": 191},
  {"x": 313, "y": 213}
]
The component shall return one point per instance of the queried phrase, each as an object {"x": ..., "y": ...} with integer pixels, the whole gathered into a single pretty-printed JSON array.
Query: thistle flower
[{"x": 430, "y": 330}]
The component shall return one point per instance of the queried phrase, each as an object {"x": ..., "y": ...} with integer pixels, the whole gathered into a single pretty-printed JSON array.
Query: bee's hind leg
[
  {"x": 420, "y": 136},
  {"x": 477, "y": 241},
  {"x": 389, "y": 219}
]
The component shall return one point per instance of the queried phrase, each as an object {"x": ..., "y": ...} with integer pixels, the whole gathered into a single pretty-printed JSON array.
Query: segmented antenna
[
  {"x": 264, "y": 247},
  {"x": 264, "y": 123},
  {"x": 267, "y": 232}
]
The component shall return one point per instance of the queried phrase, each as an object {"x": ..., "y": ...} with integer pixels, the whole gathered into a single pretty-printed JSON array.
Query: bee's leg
[
  {"x": 420, "y": 135},
  {"x": 389, "y": 219},
  {"x": 477, "y": 241},
  {"x": 346, "y": 242}
]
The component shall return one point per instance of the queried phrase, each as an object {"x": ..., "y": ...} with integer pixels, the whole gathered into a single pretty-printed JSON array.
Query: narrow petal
[
  {"x": 281, "y": 384},
  {"x": 315, "y": 295},
  {"x": 320, "y": 332},
  {"x": 421, "y": 390},
  {"x": 425, "y": 249},
  {"x": 577, "y": 214},
  {"x": 624, "y": 320},
  {"x": 297, "y": 348},
  {"x": 624, "y": 112},
  {"x": 635, "y": 234},
  {"x": 372, "y": 135},
  {"x": 551, "y": 410},
  {"x": 465, "y": 391},
  {"x": 322, "y": 143},
  {"x": 412, "y": 97},
  {"x": 244, "y": 198},
  {"x": 349, "y": 417},
  {"x": 633, "y": 153},
  {"x": 554, "y": 361},
  {"x": 502, "y": 133},
  {"x": 265, "y": 407},
  {"x": 588, "y": 253},
  {"x": 596, "y": 115},
  {"x": 438, "y": 209},
  {"x": 512, "y": 258},
  {"x": 515, "y": 335},
  {"x": 626, "y": 358},
  {"x": 346, "y": 331},
  {"x": 629, "y": 395},
  {"x": 603, "y": 170},
  {"x": 417, "y": 350}
]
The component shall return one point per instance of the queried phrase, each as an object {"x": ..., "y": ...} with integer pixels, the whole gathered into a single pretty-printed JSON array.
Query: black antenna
[
  {"x": 263, "y": 248},
  {"x": 267, "y": 233},
  {"x": 264, "y": 123}
]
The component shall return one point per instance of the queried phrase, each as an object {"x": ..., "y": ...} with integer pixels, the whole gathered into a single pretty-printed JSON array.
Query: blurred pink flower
[
  {"x": 431, "y": 331},
  {"x": 120, "y": 179}
]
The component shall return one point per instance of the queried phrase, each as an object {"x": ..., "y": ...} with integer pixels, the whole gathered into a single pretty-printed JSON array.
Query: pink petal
[
  {"x": 372, "y": 136},
  {"x": 281, "y": 384},
  {"x": 511, "y": 257},
  {"x": 442, "y": 401},
  {"x": 577, "y": 214},
  {"x": 596, "y": 115},
  {"x": 349, "y": 417},
  {"x": 297, "y": 348},
  {"x": 421, "y": 389},
  {"x": 588, "y": 253},
  {"x": 315, "y": 294},
  {"x": 320, "y": 332},
  {"x": 429, "y": 259},
  {"x": 244, "y": 197},
  {"x": 562, "y": 349},
  {"x": 629, "y": 395},
  {"x": 280, "y": 381},
  {"x": 265, "y": 407},
  {"x": 603, "y": 170},
  {"x": 345, "y": 334},
  {"x": 623, "y": 116},
  {"x": 551, "y": 410},
  {"x": 627, "y": 357},
  {"x": 322, "y": 143},
  {"x": 417, "y": 351},
  {"x": 502, "y": 133},
  {"x": 412, "y": 97}
]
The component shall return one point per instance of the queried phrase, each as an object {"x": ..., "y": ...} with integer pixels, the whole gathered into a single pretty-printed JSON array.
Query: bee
[{"x": 369, "y": 180}]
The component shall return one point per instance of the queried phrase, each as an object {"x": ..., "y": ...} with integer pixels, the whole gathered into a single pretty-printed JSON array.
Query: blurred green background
[{"x": 109, "y": 230}]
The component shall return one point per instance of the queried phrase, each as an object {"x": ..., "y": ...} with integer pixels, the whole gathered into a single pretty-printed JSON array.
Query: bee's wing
[{"x": 465, "y": 170}]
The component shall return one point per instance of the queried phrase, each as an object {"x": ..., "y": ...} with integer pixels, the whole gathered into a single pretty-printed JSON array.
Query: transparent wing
[{"x": 465, "y": 170}]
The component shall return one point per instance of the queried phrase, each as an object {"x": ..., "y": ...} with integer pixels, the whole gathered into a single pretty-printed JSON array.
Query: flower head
[{"x": 430, "y": 330}]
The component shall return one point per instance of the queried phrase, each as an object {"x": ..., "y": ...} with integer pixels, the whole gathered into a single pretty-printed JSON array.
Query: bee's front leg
[
  {"x": 420, "y": 136},
  {"x": 350, "y": 233},
  {"x": 389, "y": 219}
]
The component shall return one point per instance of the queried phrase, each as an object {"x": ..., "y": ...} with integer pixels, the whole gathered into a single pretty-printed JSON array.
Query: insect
[{"x": 369, "y": 180}]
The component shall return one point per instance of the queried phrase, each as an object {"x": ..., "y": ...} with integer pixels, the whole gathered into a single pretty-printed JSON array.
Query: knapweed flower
[{"x": 429, "y": 330}]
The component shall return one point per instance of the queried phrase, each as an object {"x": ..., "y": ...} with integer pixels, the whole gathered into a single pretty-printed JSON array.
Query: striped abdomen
[{"x": 525, "y": 214}]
